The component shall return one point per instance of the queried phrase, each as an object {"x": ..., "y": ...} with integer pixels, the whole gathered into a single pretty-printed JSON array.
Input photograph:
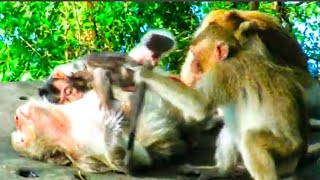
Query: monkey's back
[{"x": 265, "y": 95}]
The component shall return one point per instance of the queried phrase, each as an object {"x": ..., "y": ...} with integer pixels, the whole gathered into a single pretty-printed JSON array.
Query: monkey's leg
[
  {"x": 255, "y": 147},
  {"x": 102, "y": 84},
  {"x": 258, "y": 162},
  {"x": 226, "y": 157}
]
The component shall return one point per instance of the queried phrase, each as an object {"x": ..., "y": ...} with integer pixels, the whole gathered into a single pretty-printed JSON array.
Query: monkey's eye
[
  {"x": 196, "y": 65},
  {"x": 68, "y": 91}
]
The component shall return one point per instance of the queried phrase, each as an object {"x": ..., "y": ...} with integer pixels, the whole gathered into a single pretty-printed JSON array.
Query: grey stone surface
[{"x": 11, "y": 162}]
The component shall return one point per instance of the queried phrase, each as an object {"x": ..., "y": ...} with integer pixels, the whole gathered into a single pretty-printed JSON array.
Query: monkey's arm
[
  {"x": 103, "y": 86},
  {"x": 191, "y": 102}
]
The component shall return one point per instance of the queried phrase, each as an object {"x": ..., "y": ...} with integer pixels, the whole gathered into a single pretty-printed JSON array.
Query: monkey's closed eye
[
  {"x": 23, "y": 98},
  {"x": 68, "y": 91}
]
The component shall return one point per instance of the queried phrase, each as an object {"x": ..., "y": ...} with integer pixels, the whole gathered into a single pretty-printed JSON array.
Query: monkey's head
[
  {"x": 61, "y": 89},
  {"x": 232, "y": 19},
  {"x": 213, "y": 45},
  {"x": 243, "y": 24},
  {"x": 39, "y": 132},
  {"x": 62, "y": 134}
]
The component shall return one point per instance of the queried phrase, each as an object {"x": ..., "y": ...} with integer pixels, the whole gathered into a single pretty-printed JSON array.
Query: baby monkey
[
  {"x": 95, "y": 139},
  {"x": 69, "y": 81}
]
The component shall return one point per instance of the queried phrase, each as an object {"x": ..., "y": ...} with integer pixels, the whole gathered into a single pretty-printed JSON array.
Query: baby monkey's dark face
[{"x": 61, "y": 91}]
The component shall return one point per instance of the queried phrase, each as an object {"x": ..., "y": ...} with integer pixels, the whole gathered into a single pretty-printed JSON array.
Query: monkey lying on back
[
  {"x": 92, "y": 138},
  {"x": 263, "y": 105},
  {"x": 61, "y": 133}
]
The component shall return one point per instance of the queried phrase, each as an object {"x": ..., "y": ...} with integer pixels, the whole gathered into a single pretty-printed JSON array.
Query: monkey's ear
[
  {"x": 247, "y": 27},
  {"x": 59, "y": 75},
  {"x": 220, "y": 52}
]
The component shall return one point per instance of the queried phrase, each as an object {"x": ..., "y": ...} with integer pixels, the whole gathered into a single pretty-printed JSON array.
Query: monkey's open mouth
[
  {"x": 23, "y": 137},
  {"x": 18, "y": 137},
  {"x": 24, "y": 128}
]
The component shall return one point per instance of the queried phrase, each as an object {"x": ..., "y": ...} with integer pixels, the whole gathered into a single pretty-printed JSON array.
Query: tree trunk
[
  {"x": 253, "y": 5},
  {"x": 92, "y": 33},
  {"x": 279, "y": 7}
]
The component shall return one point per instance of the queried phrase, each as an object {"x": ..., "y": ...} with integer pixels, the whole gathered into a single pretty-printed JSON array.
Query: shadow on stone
[
  {"x": 27, "y": 173},
  {"x": 23, "y": 98}
]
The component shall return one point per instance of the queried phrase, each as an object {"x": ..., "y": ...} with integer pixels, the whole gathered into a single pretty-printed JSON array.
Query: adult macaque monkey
[
  {"x": 263, "y": 106},
  {"x": 283, "y": 47}
]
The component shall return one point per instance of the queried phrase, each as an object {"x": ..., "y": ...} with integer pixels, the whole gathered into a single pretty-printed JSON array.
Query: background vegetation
[{"x": 37, "y": 36}]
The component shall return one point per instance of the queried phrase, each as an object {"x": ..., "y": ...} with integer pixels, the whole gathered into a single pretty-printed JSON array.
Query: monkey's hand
[
  {"x": 113, "y": 126},
  {"x": 142, "y": 73}
]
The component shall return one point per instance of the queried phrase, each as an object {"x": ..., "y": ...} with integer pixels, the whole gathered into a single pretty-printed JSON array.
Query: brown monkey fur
[
  {"x": 279, "y": 42},
  {"x": 282, "y": 46},
  {"x": 268, "y": 28},
  {"x": 265, "y": 113}
]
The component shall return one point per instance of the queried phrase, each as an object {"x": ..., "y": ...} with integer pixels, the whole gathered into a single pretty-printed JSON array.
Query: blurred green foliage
[{"x": 37, "y": 36}]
